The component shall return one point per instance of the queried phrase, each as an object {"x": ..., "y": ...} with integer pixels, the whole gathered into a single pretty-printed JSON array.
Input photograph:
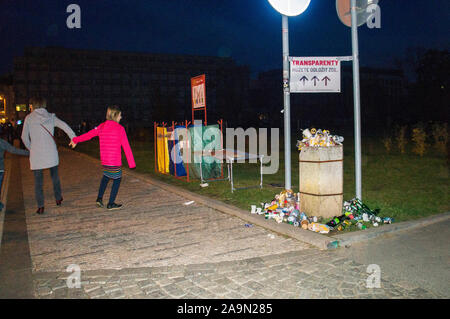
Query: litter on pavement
[{"x": 285, "y": 208}]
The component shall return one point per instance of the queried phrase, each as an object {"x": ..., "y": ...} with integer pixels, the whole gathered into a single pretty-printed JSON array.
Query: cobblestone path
[{"x": 158, "y": 247}]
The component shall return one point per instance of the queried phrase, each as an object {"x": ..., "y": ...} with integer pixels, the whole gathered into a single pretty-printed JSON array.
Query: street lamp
[{"x": 287, "y": 8}]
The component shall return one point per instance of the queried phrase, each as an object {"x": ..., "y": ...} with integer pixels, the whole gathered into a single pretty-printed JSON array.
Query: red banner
[{"x": 198, "y": 91}]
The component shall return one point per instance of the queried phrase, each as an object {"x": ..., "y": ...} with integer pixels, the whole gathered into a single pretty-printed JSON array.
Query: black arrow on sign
[
  {"x": 304, "y": 78},
  {"x": 326, "y": 79},
  {"x": 315, "y": 78}
]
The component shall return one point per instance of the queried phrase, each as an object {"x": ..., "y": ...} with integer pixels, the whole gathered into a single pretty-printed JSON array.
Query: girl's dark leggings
[{"x": 114, "y": 190}]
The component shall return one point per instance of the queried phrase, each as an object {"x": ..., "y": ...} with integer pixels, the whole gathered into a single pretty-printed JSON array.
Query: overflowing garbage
[
  {"x": 356, "y": 213},
  {"x": 318, "y": 138},
  {"x": 285, "y": 208}
]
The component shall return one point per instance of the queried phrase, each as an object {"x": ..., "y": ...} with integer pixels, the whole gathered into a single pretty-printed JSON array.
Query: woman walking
[
  {"x": 6, "y": 147},
  {"x": 112, "y": 138},
  {"x": 37, "y": 136}
]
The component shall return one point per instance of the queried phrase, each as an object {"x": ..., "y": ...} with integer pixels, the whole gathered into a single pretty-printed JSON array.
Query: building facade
[
  {"x": 80, "y": 84},
  {"x": 7, "y": 101}
]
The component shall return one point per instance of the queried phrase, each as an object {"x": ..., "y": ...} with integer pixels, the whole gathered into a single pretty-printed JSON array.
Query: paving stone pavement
[
  {"x": 153, "y": 229},
  {"x": 156, "y": 247},
  {"x": 307, "y": 273}
]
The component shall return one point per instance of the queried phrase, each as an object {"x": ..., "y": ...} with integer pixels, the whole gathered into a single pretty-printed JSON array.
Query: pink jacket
[{"x": 112, "y": 136}]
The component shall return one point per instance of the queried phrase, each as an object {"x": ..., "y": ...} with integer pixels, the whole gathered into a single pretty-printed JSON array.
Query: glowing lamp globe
[{"x": 290, "y": 7}]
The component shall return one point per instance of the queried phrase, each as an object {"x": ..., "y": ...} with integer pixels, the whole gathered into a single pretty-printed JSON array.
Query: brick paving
[
  {"x": 307, "y": 273},
  {"x": 156, "y": 247},
  {"x": 153, "y": 229}
]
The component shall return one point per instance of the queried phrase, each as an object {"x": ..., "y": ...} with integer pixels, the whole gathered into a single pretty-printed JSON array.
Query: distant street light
[
  {"x": 3, "y": 99},
  {"x": 287, "y": 8}
]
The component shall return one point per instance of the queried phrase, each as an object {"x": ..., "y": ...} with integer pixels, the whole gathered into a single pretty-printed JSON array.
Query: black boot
[
  {"x": 59, "y": 202},
  {"x": 113, "y": 206}
]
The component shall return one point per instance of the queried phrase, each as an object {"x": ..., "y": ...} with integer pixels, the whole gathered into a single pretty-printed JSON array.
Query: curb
[
  {"x": 365, "y": 235},
  {"x": 320, "y": 241},
  {"x": 4, "y": 195}
]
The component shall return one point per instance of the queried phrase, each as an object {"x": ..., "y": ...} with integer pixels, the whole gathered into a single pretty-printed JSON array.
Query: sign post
[
  {"x": 356, "y": 100},
  {"x": 287, "y": 8},
  {"x": 287, "y": 105},
  {"x": 355, "y": 13}
]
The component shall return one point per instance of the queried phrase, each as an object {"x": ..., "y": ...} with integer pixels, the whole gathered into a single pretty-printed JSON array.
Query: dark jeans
[
  {"x": 114, "y": 189},
  {"x": 38, "y": 185},
  {"x": 1, "y": 183}
]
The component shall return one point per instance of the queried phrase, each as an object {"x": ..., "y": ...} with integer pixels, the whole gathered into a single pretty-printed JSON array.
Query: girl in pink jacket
[{"x": 112, "y": 138}]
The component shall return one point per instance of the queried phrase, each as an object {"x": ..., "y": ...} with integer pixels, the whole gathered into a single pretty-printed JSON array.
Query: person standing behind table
[
  {"x": 37, "y": 136},
  {"x": 6, "y": 147},
  {"x": 112, "y": 138}
]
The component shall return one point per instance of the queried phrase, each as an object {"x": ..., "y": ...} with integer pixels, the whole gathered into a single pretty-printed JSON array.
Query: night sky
[{"x": 249, "y": 31}]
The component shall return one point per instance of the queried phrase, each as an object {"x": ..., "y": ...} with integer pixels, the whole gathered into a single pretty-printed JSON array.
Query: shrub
[
  {"x": 401, "y": 138},
  {"x": 387, "y": 142},
  {"x": 419, "y": 138},
  {"x": 440, "y": 137}
]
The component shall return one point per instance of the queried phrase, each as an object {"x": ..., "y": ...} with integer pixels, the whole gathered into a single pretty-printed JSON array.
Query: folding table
[{"x": 229, "y": 156}]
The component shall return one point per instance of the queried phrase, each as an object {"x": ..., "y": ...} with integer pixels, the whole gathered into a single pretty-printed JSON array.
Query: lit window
[{"x": 21, "y": 107}]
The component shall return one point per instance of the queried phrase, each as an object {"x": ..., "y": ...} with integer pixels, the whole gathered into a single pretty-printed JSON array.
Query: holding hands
[{"x": 72, "y": 144}]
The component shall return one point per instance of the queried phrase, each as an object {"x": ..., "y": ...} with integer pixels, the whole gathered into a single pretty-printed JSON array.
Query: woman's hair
[
  {"x": 113, "y": 113},
  {"x": 38, "y": 102}
]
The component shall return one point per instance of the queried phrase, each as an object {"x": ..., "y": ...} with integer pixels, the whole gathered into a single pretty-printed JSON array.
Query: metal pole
[
  {"x": 287, "y": 102},
  {"x": 356, "y": 100}
]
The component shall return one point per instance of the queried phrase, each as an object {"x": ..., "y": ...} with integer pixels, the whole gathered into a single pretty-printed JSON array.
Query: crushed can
[
  {"x": 268, "y": 215},
  {"x": 349, "y": 215},
  {"x": 278, "y": 219},
  {"x": 347, "y": 223},
  {"x": 305, "y": 223}
]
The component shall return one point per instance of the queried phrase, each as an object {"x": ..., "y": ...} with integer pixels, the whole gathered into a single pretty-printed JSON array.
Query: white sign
[{"x": 315, "y": 75}]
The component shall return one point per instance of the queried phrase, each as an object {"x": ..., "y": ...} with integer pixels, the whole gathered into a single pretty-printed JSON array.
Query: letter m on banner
[{"x": 198, "y": 92}]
